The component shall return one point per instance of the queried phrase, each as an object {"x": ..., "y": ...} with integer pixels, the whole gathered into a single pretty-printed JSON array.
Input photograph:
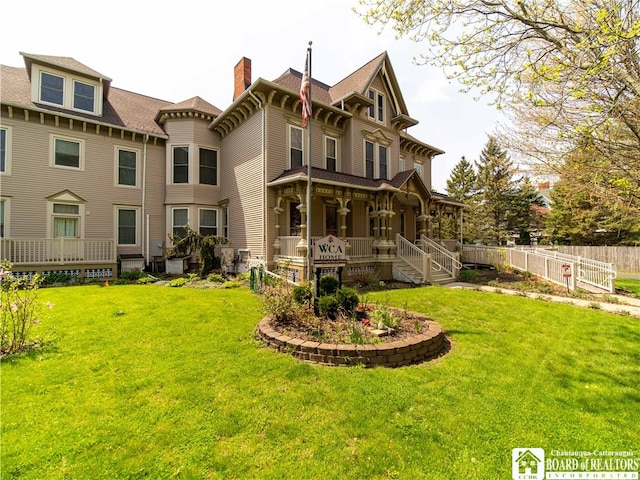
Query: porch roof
[{"x": 344, "y": 179}]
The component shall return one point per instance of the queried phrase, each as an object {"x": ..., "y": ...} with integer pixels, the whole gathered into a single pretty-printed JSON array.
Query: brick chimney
[{"x": 241, "y": 77}]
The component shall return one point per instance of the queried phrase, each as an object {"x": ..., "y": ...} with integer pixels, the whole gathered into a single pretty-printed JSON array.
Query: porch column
[
  {"x": 342, "y": 211},
  {"x": 277, "y": 210},
  {"x": 440, "y": 208},
  {"x": 302, "y": 244},
  {"x": 423, "y": 219},
  {"x": 390, "y": 236}
]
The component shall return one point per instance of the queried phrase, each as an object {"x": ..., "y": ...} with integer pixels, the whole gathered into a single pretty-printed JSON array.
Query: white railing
[
  {"x": 549, "y": 265},
  {"x": 593, "y": 272},
  {"x": 443, "y": 258},
  {"x": 60, "y": 251},
  {"x": 360, "y": 247},
  {"x": 412, "y": 256},
  {"x": 289, "y": 246}
]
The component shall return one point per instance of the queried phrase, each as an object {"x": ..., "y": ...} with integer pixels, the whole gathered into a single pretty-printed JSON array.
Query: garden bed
[{"x": 358, "y": 341}]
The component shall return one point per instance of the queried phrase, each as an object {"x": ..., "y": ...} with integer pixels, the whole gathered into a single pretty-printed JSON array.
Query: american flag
[{"x": 304, "y": 94}]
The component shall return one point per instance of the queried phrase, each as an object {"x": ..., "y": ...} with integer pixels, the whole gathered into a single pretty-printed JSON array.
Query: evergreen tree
[{"x": 462, "y": 186}]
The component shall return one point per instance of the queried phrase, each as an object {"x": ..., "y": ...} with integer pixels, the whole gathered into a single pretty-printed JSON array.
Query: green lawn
[
  {"x": 631, "y": 285},
  {"x": 158, "y": 382}
]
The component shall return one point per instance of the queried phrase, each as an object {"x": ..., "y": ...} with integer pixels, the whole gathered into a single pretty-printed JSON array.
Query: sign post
[
  {"x": 329, "y": 251},
  {"x": 566, "y": 273}
]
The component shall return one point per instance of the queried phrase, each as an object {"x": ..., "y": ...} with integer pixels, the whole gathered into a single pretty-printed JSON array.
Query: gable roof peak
[{"x": 64, "y": 63}]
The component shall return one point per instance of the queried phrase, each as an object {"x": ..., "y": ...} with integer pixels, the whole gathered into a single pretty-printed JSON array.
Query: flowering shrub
[{"x": 19, "y": 310}]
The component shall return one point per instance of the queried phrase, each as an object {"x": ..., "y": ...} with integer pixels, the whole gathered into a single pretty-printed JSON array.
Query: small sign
[
  {"x": 330, "y": 250},
  {"x": 566, "y": 270}
]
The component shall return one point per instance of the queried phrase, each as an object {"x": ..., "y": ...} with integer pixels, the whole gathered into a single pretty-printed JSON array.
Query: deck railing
[
  {"x": 413, "y": 256},
  {"x": 440, "y": 256},
  {"x": 57, "y": 251}
]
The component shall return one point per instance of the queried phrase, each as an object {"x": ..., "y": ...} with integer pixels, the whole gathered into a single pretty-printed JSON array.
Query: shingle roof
[
  {"x": 121, "y": 109},
  {"x": 357, "y": 81},
  {"x": 65, "y": 63},
  {"x": 195, "y": 104}
]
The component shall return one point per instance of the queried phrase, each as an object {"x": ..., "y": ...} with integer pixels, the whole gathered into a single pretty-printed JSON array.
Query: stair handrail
[
  {"x": 407, "y": 250},
  {"x": 440, "y": 249}
]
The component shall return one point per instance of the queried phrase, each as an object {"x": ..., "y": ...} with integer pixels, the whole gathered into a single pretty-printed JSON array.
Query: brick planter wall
[{"x": 411, "y": 350}]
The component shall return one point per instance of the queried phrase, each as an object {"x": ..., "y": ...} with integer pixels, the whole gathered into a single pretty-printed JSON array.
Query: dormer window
[
  {"x": 51, "y": 88},
  {"x": 67, "y": 90},
  {"x": 84, "y": 96}
]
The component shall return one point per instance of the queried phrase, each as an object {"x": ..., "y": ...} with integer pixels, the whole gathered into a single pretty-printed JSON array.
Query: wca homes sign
[{"x": 330, "y": 250}]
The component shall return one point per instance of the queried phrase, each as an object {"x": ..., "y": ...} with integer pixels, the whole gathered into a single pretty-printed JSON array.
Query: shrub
[
  {"x": 328, "y": 306},
  {"x": 328, "y": 285},
  {"x": 278, "y": 302},
  {"x": 57, "y": 277},
  {"x": 382, "y": 317},
  {"x": 469, "y": 276},
  {"x": 347, "y": 300},
  {"x": 177, "y": 282},
  {"x": 145, "y": 280},
  {"x": 19, "y": 309},
  {"x": 137, "y": 275},
  {"x": 215, "y": 278},
  {"x": 303, "y": 294}
]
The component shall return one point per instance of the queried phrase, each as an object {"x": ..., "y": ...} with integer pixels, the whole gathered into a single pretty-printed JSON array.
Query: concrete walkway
[{"x": 626, "y": 305}]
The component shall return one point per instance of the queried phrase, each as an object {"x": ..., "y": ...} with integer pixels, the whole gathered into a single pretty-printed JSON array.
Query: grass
[
  {"x": 157, "y": 382},
  {"x": 629, "y": 285}
]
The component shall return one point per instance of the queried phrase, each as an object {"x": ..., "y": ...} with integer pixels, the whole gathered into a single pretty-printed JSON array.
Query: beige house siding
[{"x": 244, "y": 186}]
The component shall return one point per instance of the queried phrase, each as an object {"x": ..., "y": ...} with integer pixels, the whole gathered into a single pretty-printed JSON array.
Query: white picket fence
[{"x": 562, "y": 269}]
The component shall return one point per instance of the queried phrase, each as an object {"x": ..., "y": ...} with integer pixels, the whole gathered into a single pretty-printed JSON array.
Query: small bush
[
  {"x": 177, "y": 282},
  {"x": 279, "y": 303},
  {"x": 215, "y": 278},
  {"x": 328, "y": 306},
  {"x": 57, "y": 277},
  {"x": 145, "y": 280},
  {"x": 303, "y": 294},
  {"x": 231, "y": 284},
  {"x": 347, "y": 300},
  {"x": 133, "y": 276},
  {"x": 328, "y": 285},
  {"x": 470, "y": 276},
  {"x": 382, "y": 317}
]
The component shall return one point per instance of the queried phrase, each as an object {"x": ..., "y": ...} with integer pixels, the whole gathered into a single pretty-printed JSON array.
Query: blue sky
[{"x": 177, "y": 50}]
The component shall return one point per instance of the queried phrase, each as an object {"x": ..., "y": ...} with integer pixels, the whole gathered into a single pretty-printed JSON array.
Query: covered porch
[{"x": 376, "y": 218}]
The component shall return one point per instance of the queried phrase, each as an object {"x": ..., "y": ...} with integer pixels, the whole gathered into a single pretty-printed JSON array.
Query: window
[
  {"x": 180, "y": 219},
  {"x": 401, "y": 164},
  {"x": 180, "y": 164},
  {"x": 369, "y": 161},
  {"x": 3, "y": 150},
  {"x": 65, "y": 220},
  {"x": 84, "y": 96},
  {"x": 127, "y": 226},
  {"x": 331, "y": 220},
  {"x": 418, "y": 167},
  {"x": 3, "y": 207},
  {"x": 295, "y": 219},
  {"x": 382, "y": 161},
  {"x": 331, "y": 154},
  {"x": 376, "y": 111},
  {"x": 51, "y": 88},
  {"x": 295, "y": 142},
  {"x": 208, "y": 221},
  {"x": 225, "y": 222},
  {"x": 208, "y": 166},
  {"x": 127, "y": 168},
  {"x": 66, "y": 153},
  {"x": 376, "y": 163}
]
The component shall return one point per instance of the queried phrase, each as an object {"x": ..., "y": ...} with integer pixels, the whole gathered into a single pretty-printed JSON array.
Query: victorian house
[{"x": 93, "y": 179}]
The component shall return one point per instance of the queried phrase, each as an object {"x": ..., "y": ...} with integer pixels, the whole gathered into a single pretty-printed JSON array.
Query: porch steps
[
  {"x": 404, "y": 273},
  {"x": 441, "y": 278}
]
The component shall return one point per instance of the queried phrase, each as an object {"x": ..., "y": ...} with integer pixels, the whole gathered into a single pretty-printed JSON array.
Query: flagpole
[{"x": 309, "y": 241}]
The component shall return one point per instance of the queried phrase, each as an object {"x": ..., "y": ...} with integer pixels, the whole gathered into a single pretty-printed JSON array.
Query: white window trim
[
  {"x": 7, "y": 216},
  {"x": 67, "y": 93},
  {"x": 170, "y": 219},
  {"x": 291, "y": 127},
  {"x": 401, "y": 164},
  {"x": 217, "y": 226},
  {"x": 51, "y": 215},
  {"x": 189, "y": 164},
  {"x": 8, "y": 149},
  {"x": 376, "y": 96},
  {"x": 418, "y": 167},
  {"x": 205, "y": 147},
  {"x": 52, "y": 152},
  {"x": 326, "y": 166},
  {"x": 116, "y": 166},
  {"x": 73, "y": 94},
  {"x": 117, "y": 209}
]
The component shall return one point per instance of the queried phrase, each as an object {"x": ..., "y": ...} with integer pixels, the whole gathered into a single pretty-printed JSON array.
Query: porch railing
[
  {"x": 440, "y": 256},
  {"x": 58, "y": 251},
  {"x": 289, "y": 246}
]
